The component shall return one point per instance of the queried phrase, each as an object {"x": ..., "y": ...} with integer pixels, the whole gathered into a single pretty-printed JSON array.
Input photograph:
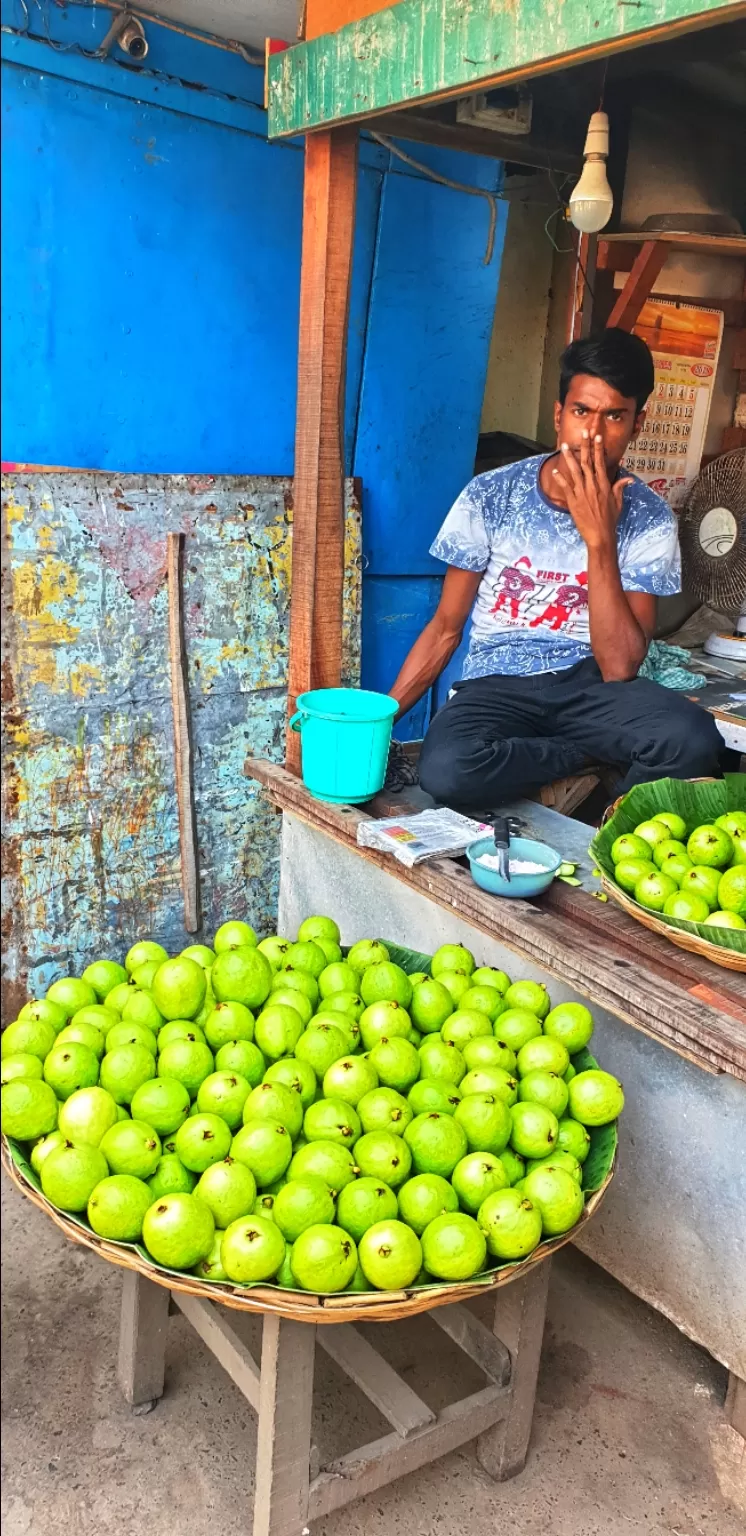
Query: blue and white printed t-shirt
[{"x": 531, "y": 611}]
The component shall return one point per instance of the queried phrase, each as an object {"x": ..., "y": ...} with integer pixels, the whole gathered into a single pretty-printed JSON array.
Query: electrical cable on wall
[{"x": 445, "y": 181}]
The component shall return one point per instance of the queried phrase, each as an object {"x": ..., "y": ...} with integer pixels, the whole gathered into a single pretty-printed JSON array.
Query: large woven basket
[
  {"x": 684, "y": 935},
  {"x": 378, "y": 1306}
]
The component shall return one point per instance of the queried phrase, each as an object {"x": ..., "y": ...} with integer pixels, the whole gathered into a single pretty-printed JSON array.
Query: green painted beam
[{"x": 420, "y": 50}]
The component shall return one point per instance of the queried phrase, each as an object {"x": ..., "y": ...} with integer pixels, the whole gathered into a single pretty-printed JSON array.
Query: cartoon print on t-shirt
[
  {"x": 515, "y": 587},
  {"x": 533, "y": 603},
  {"x": 569, "y": 600}
]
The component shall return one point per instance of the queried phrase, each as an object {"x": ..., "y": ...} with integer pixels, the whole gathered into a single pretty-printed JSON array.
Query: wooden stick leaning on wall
[
  {"x": 182, "y": 736},
  {"x": 329, "y": 190}
]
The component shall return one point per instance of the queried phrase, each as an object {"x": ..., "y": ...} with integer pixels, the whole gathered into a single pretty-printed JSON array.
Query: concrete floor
[{"x": 629, "y": 1434}]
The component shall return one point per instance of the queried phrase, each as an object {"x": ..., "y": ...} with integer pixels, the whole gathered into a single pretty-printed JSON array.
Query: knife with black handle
[{"x": 501, "y": 832}]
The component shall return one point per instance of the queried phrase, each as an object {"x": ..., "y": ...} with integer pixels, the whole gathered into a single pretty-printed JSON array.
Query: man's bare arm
[
  {"x": 621, "y": 623},
  {"x": 439, "y": 640}
]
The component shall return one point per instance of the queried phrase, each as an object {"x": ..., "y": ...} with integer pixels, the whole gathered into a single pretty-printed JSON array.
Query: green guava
[
  {"x": 326, "y": 1160},
  {"x": 493, "y": 1080},
  {"x": 397, "y": 1063},
  {"x": 303, "y": 1203},
  {"x": 323, "y": 1259},
  {"x": 86, "y": 1116},
  {"x": 487, "y": 976},
  {"x": 242, "y": 976},
  {"x": 530, "y": 995},
  {"x": 486, "y": 1122},
  {"x": 23, "y": 1064},
  {"x": 453, "y": 1247},
  {"x": 104, "y": 976},
  {"x": 278, "y": 1030},
  {"x": 544, "y": 1088},
  {"x": 48, "y": 1013},
  {"x": 116, "y": 1209},
  {"x": 29, "y": 1109},
  {"x": 465, "y": 1025},
  {"x": 274, "y": 1101},
  {"x": 437, "y": 1142},
  {"x": 596, "y": 1097},
  {"x": 233, "y": 935},
  {"x": 274, "y": 950},
  {"x": 364, "y": 1203},
  {"x": 133, "y": 1148},
  {"x": 571, "y": 1024},
  {"x": 130, "y": 1034},
  {"x": 387, "y": 1020},
  {"x": 390, "y": 1255},
  {"x": 306, "y": 956},
  {"x": 433, "y": 1093},
  {"x": 228, "y": 1189},
  {"x": 211, "y": 1267},
  {"x": 534, "y": 1130},
  {"x": 382, "y": 1156},
  {"x": 442, "y": 1060},
  {"x": 188, "y": 1061},
  {"x": 318, "y": 927},
  {"x": 224, "y": 1094},
  {"x": 332, "y": 1120},
  {"x": 350, "y": 1079},
  {"x": 82, "y": 1034},
  {"x": 243, "y": 1057},
  {"x": 201, "y": 1141},
  {"x": 298, "y": 1077},
  {"x": 557, "y": 1196},
  {"x": 70, "y": 1174},
  {"x": 573, "y": 1137},
  {"x": 384, "y": 1109},
  {"x": 478, "y": 1175},
  {"x": 423, "y": 1198},
  {"x": 431, "y": 1005},
  {"x": 144, "y": 951},
  {"x": 322, "y": 1044},
  {"x": 178, "y": 1231},
  {"x": 367, "y": 952},
  {"x": 71, "y": 994},
  {"x": 511, "y": 1225},
  {"x": 543, "y": 1054},
  {"x": 385, "y": 983},
  {"x": 32, "y": 1037},
  {"x": 179, "y": 988},
  {"x": 124, "y": 1069},
  {"x": 162, "y": 1103},
  {"x": 171, "y": 1177},
  {"x": 452, "y": 957},
  {"x": 266, "y": 1147},
  {"x": 514, "y": 1027},
  {"x": 484, "y": 1052},
  {"x": 142, "y": 1009}
]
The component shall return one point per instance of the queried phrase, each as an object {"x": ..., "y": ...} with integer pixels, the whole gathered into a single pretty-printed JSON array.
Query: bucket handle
[{"x": 294, "y": 723}]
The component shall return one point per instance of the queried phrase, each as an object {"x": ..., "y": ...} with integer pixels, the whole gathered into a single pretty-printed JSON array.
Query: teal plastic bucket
[{"x": 345, "y": 738}]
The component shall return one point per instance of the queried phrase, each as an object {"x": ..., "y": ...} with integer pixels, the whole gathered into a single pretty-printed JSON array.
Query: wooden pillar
[
  {"x": 648, "y": 265},
  {"x": 329, "y": 189}
]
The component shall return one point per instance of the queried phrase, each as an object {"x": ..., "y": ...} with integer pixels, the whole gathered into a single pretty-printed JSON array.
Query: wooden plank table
[{"x": 291, "y": 1489}]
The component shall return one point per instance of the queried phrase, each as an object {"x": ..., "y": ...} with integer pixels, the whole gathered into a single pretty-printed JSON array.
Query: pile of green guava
[
  {"x": 282, "y": 1112},
  {"x": 698, "y": 878}
]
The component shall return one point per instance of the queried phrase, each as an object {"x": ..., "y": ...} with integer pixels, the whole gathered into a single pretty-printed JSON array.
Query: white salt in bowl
[{"x": 522, "y": 850}]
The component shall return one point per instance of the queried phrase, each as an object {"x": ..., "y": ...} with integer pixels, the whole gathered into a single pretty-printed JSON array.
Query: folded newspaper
[{"x": 428, "y": 835}]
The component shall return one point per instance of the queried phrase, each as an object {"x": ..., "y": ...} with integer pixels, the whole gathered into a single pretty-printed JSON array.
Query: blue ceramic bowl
[{"x": 518, "y": 885}]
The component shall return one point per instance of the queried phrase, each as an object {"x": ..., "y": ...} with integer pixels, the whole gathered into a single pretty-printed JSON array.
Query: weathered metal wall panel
[{"x": 90, "y": 822}]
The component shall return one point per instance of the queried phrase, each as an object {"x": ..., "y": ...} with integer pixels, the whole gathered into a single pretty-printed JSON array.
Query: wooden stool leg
[
  {"x": 519, "y": 1324},
  {"x": 284, "y": 1434},
  {"x": 142, "y": 1341}
]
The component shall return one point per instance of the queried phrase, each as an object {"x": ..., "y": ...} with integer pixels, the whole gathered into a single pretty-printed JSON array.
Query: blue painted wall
[{"x": 151, "y": 240}]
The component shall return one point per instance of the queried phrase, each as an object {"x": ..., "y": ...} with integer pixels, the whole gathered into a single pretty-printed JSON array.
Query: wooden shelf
[{"x": 701, "y": 245}]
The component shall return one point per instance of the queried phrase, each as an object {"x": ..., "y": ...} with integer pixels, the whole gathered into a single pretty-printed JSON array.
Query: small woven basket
[
  {"x": 299, "y": 1306},
  {"x": 729, "y": 959}
]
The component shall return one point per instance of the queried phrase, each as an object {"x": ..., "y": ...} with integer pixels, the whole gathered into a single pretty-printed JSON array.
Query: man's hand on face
[{"x": 593, "y": 503}]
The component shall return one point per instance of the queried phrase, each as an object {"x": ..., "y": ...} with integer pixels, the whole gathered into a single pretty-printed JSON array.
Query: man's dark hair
[{"x": 622, "y": 360}]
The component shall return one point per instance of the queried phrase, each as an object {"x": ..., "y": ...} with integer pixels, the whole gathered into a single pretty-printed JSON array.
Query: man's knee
[
  {"x": 448, "y": 773},
  {"x": 690, "y": 740}
]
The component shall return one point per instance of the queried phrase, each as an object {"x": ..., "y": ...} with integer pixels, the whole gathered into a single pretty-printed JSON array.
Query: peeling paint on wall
[{"x": 90, "y": 820}]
